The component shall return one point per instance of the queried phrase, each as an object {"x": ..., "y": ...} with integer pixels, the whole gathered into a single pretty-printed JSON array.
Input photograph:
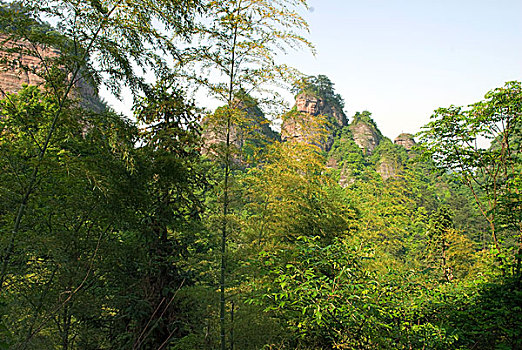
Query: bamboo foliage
[{"x": 235, "y": 48}]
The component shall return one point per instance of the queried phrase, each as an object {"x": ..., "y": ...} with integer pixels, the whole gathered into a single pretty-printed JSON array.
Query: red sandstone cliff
[{"x": 22, "y": 62}]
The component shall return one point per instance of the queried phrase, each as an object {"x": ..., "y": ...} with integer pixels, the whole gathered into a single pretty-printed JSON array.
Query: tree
[
  {"x": 115, "y": 35},
  {"x": 107, "y": 215},
  {"x": 448, "y": 249},
  {"x": 287, "y": 199},
  {"x": 167, "y": 207},
  {"x": 240, "y": 45},
  {"x": 453, "y": 140},
  {"x": 54, "y": 280},
  {"x": 331, "y": 296},
  {"x": 68, "y": 162}
]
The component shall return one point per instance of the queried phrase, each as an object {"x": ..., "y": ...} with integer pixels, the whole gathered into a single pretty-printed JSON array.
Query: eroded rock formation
[
  {"x": 406, "y": 140},
  {"x": 365, "y": 136},
  {"x": 387, "y": 168},
  {"x": 22, "y": 63},
  {"x": 313, "y": 121},
  {"x": 17, "y": 68},
  {"x": 308, "y": 104}
]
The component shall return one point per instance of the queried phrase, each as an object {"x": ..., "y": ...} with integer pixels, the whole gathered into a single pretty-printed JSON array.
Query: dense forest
[{"x": 189, "y": 228}]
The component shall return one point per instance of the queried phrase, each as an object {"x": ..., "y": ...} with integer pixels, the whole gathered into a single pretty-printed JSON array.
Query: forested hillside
[{"x": 189, "y": 228}]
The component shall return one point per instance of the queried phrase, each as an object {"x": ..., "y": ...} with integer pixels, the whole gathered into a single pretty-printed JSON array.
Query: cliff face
[
  {"x": 393, "y": 157},
  {"x": 352, "y": 148},
  {"x": 365, "y": 137},
  {"x": 313, "y": 121},
  {"x": 387, "y": 170},
  {"x": 405, "y": 140},
  {"x": 17, "y": 68},
  {"x": 360, "y": 149},
  {"x": 309, "y": 104},
  {"x": 313, "y": 105},
  {"x": 22, "y": 63},
  {"x": 365, "y": 132},
  {"x": 391, "y": 161}
]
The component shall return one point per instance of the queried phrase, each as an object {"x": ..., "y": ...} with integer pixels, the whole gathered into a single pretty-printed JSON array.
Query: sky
[{"x": 402, "y": 59}]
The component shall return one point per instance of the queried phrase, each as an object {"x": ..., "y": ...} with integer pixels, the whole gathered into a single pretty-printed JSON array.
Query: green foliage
[
  {"x": 106, "y": 216},
  {"x": 453, "y": 139},
  {"x": 108, "y": 229},
  {"x": 484, "y": 315},
  {"x": 448, "y": 250},
  {"x": 289, "y": 196},
  {"x": 167, "y": 209},
  {"x": 240, "y": 45},
  {"x": 117, "y": 35},
  {"x": 50, "y": 272},
  {"x": 114, "y": 34},
  {"x": 330, "y": 298},
  {"x": 250, "y": 132},
  {"x": 390, "y": 152},
  {"x": 347, "y": 155}
]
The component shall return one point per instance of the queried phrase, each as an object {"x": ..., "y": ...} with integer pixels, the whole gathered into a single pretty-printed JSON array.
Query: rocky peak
[
  {"x": 406, "y": 140},
  {"x": 365, "y": 133},
  {"x": 309, "y": 104},
  {"x": 314, "y": 105},
  {"x": 318, "y": 113},
  {"x": 302, "y": 127}
]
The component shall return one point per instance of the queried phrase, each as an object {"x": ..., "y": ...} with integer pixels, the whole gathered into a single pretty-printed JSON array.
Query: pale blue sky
[{"x": 402, "y": 59}]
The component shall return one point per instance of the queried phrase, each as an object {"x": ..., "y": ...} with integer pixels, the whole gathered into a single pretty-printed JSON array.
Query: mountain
[
  {"x": 317, "y": 116},
  {"x": 352, "y": 148}
]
